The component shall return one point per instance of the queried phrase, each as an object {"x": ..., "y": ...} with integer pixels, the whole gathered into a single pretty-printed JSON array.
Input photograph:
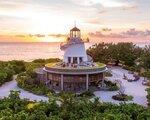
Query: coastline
[{"x": 29, "y": 51}]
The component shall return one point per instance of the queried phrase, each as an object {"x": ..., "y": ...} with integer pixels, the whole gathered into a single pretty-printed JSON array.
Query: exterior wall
[
  {"x": 41, "y": 78},
  {"x": 54, "y": 81},
  {"x": 75, "y": 50},
  {"x": 72, "y": 82},
  {"x": 94, "y": 79}
]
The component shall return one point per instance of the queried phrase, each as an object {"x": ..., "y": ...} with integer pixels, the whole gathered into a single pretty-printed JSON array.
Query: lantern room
[{"x": 75, "y": 32}]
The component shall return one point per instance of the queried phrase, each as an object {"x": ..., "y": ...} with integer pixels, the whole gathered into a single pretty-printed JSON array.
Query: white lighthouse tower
[{"x": 74, "y": 49}]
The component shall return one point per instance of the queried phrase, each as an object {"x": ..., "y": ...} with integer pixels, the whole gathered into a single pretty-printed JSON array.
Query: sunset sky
[{"x": 51, "y": 20}]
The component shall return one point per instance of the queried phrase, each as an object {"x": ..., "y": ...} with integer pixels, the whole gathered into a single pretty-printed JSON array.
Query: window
[
  {"x": 80, "y": 59},
  {"x": 69, "y": 59},
  {"x": 74, "y": 59},
  {"x": 50, "y": 76}
]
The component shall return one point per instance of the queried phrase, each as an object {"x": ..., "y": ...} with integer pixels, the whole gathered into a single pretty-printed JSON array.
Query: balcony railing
[{"x": 65, "y": 45}]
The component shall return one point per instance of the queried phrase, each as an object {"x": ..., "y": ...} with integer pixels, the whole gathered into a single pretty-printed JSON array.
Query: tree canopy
[{"x": 14, "y": 108}]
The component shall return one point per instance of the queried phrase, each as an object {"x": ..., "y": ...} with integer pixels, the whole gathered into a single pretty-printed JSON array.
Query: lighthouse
[
  {"x": 74, "y": 48},
  {"x": 76, "y": 72}
]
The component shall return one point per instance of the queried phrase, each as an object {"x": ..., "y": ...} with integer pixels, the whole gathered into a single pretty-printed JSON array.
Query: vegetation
[
  {"x": 111, "y": 86},
  {"x": 10, "y": 68},
  {"x": 54, "y": 65},
  {"x": 122, "y": 97},
  {"x": 146, "y": 74},
  {"x": 108, "y": 74},
  {"x": 125, "y": 53},
  {"x": 148, "y": 96},
  {"x": 14, "y": 108},
  {"x": 145, "y": 57},
  {"x": 87, "y": 94},
  {"x": 27, "y": 80},
  {"x": 50, "y": 60},
  {"x": 128, "y": 55}
]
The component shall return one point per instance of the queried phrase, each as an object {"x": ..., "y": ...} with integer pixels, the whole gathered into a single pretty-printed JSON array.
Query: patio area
[{"x": 136, "y": 89}]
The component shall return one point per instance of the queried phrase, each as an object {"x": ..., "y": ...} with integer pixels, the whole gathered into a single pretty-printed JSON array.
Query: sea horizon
[{"x": 29, "y": 51}]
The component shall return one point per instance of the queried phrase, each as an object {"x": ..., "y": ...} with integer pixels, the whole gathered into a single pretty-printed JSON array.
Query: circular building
[{"x": 77, "y": 72}]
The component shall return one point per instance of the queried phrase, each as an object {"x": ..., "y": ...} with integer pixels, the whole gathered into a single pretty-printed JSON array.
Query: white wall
[{"x": 75, "y": 50}]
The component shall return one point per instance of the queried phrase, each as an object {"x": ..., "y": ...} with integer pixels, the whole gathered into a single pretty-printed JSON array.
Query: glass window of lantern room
[
  {"x": 75, "y": 60},
  {"x": 78, "y": 33},
  {"x": 74, "y": 33}
]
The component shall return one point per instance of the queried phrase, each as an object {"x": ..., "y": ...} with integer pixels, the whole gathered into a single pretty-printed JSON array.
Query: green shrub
[
  {"x": 122, "y": 97},
  {"x": 148, "y": 96},
  {"x": 112, "y": 86},
  {"x": 108, "y": 74},
  {"x": 14, "y": 108},
  {"x": 86, "y": 94}
]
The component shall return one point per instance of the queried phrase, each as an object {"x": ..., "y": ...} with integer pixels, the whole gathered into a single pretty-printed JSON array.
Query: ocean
[{"x": 31, "y": 51}]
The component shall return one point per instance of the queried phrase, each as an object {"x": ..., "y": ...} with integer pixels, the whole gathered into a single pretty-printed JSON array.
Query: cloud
[
  {"x": 127, "y": 34},
  {"x": 94, "y": 21},
  {"x": 57, "y": 35},
  {"x": 134, "y": 7},
  {"x": 102, "y": 11},
  {"x": 134, "y": 32},
  {"x": 42, "y": 35},
  {"x": 106, "y": 29},
  {"x": 104, "y": 3},
  {"x": 23, "y": 36},
  {"x": 96, "y": 34},
  {"x": 100, "y": 34}
]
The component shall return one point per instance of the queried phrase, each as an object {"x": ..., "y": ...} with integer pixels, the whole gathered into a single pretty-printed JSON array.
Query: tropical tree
[
  {"x": 99, "y": 52},
  {"x": 121, "y": 52},
  {"x": 145, "y": 57}
]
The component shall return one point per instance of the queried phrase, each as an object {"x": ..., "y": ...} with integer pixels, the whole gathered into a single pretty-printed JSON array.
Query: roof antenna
[{"x": 75, "y": 23}]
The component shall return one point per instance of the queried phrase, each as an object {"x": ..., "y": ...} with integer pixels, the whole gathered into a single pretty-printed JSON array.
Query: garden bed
[
  {"x": 148, "y": 96},
  {"x": 110, "y": 86},
  {"x": 122, "y": 97}
]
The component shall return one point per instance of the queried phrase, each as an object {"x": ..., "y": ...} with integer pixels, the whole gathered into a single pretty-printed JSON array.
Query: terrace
[{"x": 61, "y": 68}]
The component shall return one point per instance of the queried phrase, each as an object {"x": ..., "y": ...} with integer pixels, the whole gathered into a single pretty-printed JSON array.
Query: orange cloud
[{"x": 127, "y": 34}]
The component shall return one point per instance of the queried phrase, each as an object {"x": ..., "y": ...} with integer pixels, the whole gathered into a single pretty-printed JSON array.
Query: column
[
  {"x": 79, "y": 34},
  {"x": 103, "y": 78},
  {"x": 46, "y": 78},
  {"x": 78, "y": 60},
  {"x": 87, "y": 81},
  {"x": 62, "y": 82},
  {"x": 70, "y": 33},
  {"x": 71, "y": 59}
]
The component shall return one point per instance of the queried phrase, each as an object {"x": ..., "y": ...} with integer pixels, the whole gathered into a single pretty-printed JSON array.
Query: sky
[{"x": 51, "y": 20}]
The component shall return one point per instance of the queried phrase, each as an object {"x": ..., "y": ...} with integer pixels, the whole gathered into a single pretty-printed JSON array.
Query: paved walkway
[
  {"x": 12, "y": 85},
  {"x": 136, "y": 89}
]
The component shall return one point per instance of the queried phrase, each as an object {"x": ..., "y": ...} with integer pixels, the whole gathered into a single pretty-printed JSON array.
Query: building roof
[
  {"x": 75, "y": 29},
  {"x": 40, "y": 71},
  {"x": 58, "y": 69}
]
